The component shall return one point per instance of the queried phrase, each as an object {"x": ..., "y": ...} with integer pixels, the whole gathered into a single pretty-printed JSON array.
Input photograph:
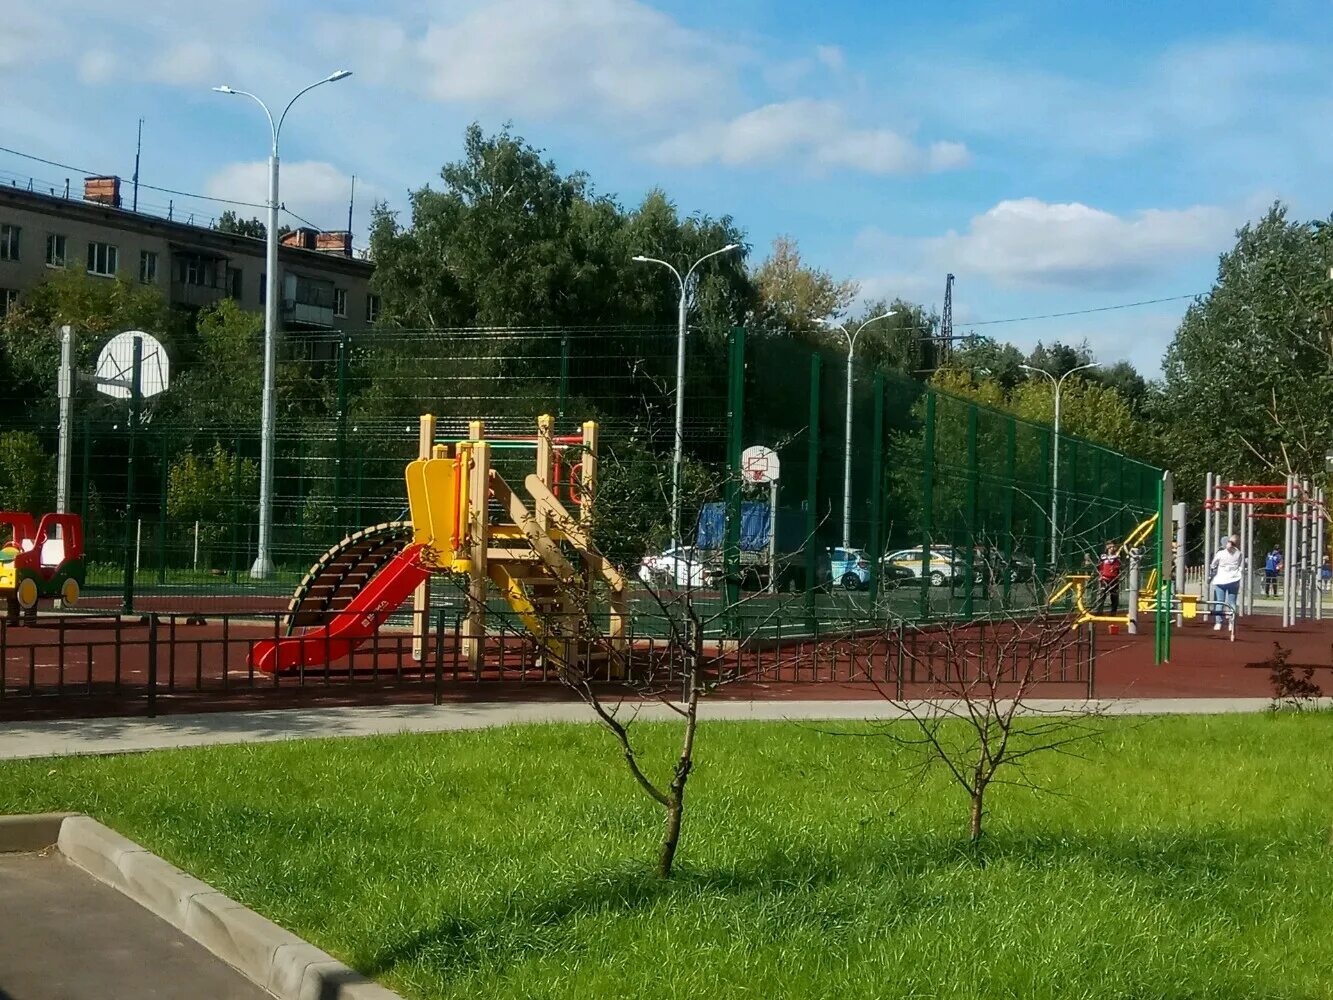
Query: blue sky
[{"x": 1054, "y": 157}]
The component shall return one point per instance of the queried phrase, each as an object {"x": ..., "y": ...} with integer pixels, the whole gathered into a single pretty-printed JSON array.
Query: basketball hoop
[{"x": 759, "y": 464}]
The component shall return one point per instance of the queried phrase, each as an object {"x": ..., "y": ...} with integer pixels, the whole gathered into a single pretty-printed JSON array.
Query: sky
[{"x": 1055, "y": 158}]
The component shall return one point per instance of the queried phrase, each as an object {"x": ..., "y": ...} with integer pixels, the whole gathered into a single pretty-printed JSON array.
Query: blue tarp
[{"x": 755, "y": 526}]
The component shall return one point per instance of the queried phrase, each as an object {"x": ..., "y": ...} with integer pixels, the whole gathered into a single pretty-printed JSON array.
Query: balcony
[{"x": 307, "y": 302}]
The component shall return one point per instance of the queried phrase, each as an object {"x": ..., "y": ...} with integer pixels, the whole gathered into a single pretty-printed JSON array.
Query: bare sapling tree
[
  {"x": 681, "y": 656},
  {"x": 964, "y": 694}
]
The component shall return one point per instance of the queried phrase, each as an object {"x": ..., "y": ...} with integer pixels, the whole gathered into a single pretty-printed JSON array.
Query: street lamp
[
  {"x": 263, "y": 565},
  {"x": 847, "y": 424},
  {"x": 1055, "y": 457},
  {"x": 680, "y": 376}
]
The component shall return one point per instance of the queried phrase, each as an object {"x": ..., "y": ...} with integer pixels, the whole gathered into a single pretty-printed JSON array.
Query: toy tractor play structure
[
  {"x": 523, "y": 544},
  {"x": 38, "y": 562}
]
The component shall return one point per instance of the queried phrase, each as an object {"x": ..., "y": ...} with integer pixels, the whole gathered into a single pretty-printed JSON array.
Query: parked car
[
  {"x": 892, "y": 575},
  {"x": 677, "y": 566},
  {"x": 943, "y": 568},
  {"x": 849, "y": 568}
]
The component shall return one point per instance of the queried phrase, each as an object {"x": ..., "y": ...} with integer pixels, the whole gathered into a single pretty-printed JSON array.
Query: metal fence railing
[
  {"x": 933, "y": 478},
  {"x": 114, "y": 664}
]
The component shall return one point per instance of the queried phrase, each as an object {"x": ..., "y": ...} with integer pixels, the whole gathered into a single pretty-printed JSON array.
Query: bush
[
  {"x": 27, "y": 474},
  {"x": 208, "y": 488}
]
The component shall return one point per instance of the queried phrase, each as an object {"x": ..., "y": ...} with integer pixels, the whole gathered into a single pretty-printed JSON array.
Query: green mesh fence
[{"x": 943, "y": 490}]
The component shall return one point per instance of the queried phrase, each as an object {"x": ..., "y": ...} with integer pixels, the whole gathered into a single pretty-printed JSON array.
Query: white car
[
  {"x": 941, "y": 570},
  {"x": 677, "y": 566}
]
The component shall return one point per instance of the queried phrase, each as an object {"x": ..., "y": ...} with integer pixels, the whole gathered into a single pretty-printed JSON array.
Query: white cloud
[
  {"x": 313, "y": 189},
  {"x": 189, "y": 63},
  {"x": 1029, "y": 242},
  {"x": 1201, "y": 94},
  {"x": 832, "y": 57},
  {"x": 815, "y": 132},
  {"x": 597, "y": 59},
  {"x": 97, "y": 66}
]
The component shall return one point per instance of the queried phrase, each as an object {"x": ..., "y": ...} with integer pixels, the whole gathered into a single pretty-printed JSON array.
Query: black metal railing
[{"x": 114, "y": 664}]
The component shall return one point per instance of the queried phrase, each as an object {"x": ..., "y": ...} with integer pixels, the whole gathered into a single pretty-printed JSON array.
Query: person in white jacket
[{"x": 1225, "y": 571}]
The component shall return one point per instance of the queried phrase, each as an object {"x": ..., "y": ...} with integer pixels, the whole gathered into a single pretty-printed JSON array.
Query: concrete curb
[{"x": 266, "y": 954}]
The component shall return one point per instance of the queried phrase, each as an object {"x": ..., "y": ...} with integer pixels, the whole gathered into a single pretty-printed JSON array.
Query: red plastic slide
[{"x": 359, "y": 621}]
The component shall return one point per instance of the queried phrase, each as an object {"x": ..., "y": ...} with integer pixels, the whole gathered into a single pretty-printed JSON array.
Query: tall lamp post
[
  {"x": 847, "y": 422},
  {"x": 1055, "y": 451},
  {"x": 680, "y": 376},
  {"x": 263, "y": 565}
]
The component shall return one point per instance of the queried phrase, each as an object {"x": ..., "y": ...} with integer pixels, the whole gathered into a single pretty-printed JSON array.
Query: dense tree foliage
[{"x": 1248, "y": 390}]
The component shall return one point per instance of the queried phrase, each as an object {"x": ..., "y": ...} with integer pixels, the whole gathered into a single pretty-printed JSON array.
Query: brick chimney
[
  {"x": 102, "y": 190},
  {"x": 336, "y": 243}
]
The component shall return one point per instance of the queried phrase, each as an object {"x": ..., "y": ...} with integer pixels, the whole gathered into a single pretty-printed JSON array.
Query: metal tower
[{"x": 946, "y": 323}]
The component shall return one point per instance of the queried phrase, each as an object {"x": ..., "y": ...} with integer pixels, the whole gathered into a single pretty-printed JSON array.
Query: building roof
[{"x": 201, "y": 237}]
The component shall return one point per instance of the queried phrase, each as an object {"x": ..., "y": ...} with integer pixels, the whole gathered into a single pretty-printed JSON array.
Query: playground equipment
[
  {"x": 466, "y": 520},
  {"x": 1300, "y": 505},
  {"x": 40, "y": 561},
  {"x": 1161, "y": 594}
]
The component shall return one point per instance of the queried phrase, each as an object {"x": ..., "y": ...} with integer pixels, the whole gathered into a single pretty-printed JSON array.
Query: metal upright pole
[
  {"x": 847, "y": 452},
  {"x": 263, "y": 564},
  {"x": 1208, "y": 513},
  {"x": 1321, "y": 548},
  {"x": 136, "y": 399},
  {"x": 1231, "y": 509},
  {"x": 1249, "y": 548},
  {"x": 66, "y": 389},
  {"x": 1055, "y": 483},
  {"x": 1289, "y": 554},
  {"x": 680, "y": 418}
]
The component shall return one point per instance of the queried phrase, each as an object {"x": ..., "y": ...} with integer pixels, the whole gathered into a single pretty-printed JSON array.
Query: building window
[
  {"x": 55, "y": 250},
  {"x": 102, "y": 258},
  {"x": 147, "y": 267},
  {"x": 340, "y": 302},
  {"x": 372, "y": 308},
  {"x": 234, "y": 283},
  {"x": 9, "y": 242},
  {"x": 8, "y": 299}
]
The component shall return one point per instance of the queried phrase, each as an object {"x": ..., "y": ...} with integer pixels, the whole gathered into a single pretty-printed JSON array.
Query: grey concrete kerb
[{"x": 263, "y": 952}]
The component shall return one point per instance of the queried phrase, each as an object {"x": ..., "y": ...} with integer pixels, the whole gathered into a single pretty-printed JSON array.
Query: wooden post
[
  {"x": 421, "y": 596},
  {"x": 544, "y": 453},
  {"x": 479, "y": 483},
  {"x": 619, "y": 600}
]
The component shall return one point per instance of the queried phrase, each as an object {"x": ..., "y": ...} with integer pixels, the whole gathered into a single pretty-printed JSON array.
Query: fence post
[
  {"x": 927, "y": 498},
  {"x": 86, "y": 470},
  {"x": 1041, "y": 557},
  {"x": 152, "y": 666},
  {"x": 735, "y": 429},
  {"x": 235, "y": 504},
  {"x": 340, "y": 444},
  {"x": 970, "y": 512},
  {"x": 1010, "y": 461},
  {"x": 563, "y": 398},
  {"x": 812, "y": 486},
  {"x": 162, "y": 517},
  {"x": 136, "y": 373},
  {"x": 439, "y": 656},
  {"x": 875, "y": 542}
]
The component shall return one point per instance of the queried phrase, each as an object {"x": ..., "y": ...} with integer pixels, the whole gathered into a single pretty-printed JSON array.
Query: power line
[
  {"x": 1084, "y": 312},
  {"x": 153, "y": 187}
]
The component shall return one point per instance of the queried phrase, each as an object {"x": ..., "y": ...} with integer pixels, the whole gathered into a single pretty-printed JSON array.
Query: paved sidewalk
[
  {"x": 64, "y": 934},
  {"x": 127, "y": 735}
]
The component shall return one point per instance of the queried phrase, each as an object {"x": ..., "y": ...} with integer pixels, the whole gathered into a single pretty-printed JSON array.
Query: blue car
[{"x": 850, "y": 568}]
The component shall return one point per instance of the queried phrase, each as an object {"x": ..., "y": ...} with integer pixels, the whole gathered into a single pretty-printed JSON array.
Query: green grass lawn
[{"x": 1183, "y": 858}]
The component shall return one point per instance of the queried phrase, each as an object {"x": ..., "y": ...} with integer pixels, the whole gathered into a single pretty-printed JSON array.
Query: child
[
  {"x": 1272, "y": 569},
  {"x": 1225, "y": 571},
  {"x": 1108, "y": 576},
  {"x": 1325, "y": 575}
]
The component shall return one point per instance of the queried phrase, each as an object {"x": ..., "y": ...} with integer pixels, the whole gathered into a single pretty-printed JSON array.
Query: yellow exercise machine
[{"x": 1143, "y": 600}]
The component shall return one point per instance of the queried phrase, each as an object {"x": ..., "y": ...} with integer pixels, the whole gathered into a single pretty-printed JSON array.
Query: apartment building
[{"x": 322, "y": 286}]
